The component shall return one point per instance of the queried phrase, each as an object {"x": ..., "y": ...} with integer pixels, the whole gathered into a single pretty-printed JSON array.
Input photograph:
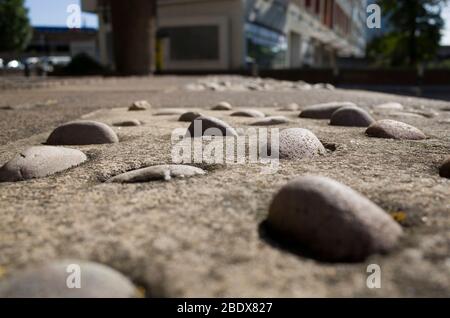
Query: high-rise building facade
[{"x": 231, "y": 34}]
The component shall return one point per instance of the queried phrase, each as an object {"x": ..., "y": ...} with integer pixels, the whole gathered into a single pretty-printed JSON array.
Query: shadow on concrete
[{"x": 278, "y": 241}]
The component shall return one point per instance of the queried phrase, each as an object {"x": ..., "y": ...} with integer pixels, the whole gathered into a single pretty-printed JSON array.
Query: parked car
[{"x": 15, "y": 65}]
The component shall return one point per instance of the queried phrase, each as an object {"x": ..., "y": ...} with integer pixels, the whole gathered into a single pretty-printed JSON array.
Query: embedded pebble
[
  {"x": 223, "y": 106},
  {"x": 189, "y": 116},
  {"x": 248, "y": 113},
  {"x": 209, "y": 126},
  {"x": 405, "y": 114},
  {"x": 268, "y": 121},
  {"x": 82, "y": 132},
  {"x": 290, "y": 108},
  {"x": 392, "y": 105},
  {"x": 53, "y": 280},
  {"x": 298, "y": 144},
  {"x": 351, "y": 117},
  {"x": 444, "y": 170},
  {"x": 128, "y": 123},
  {"x": 49, "y": 102},
  {"x": 324, "y": 111},
  {"x": 424, "y": 113},
  {"x": 324, "y": 86},
  {"x": 40, "y": 161},
  {"x": 169, "y": 112},
  {"x": 155, "y": 173},
  {"x": 331, "y": 221},
  {"x": 393, "y": 129},
  {"x": 139, "y": 105}
]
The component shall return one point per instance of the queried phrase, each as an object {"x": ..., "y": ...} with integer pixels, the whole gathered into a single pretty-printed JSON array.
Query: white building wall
[{"x": 227, "y": 14}]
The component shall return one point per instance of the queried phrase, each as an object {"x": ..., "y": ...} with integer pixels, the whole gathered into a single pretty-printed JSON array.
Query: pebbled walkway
[{"x": 202, "y": 236}]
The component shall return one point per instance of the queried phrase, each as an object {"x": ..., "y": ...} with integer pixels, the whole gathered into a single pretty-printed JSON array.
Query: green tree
[
  {"x": 15, "y": 29},
  {"x": 413, "y": 35}
]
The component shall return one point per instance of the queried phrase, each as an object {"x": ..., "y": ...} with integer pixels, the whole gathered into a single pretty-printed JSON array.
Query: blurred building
[
  {"x": 61, "y": 41},
  {"x": 232, "y": 34},
  {"x": 58, "y": 43}
]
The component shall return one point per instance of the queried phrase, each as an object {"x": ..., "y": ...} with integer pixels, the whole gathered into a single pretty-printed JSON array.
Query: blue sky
[{"x": 53, "y": 13}]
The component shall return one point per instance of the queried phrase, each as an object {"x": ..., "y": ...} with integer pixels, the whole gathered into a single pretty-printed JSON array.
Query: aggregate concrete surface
[{"x": 203, "y": 236}]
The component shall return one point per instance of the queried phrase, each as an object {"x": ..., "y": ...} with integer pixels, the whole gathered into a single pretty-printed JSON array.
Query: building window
[
  {"x": 62, "y": 48},
  {"x": 190, "y": 43},
  {"x": 265, "y": 47}
]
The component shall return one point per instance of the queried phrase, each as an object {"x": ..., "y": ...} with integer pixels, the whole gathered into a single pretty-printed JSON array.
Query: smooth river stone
[
  {"x": 389, "y": 106},
  {"x": 444, "y": 170},
  {"x": 189, "y": 116},
  {"x": 128, "y": 123},
  {"x": 210, "y": 126},
  {"x": 223, "y": 106},
  {"x": 323, "y": 111},
  {"x": 290, "y": 108},
  {"x": 351, "y": 117},
  {"x": 268, "y": 121},
  {"x": 39, "y": 162},
  {"x": 82, "y": 132},
  {"x": 248, "y": 113},
  {"x": 393, "y": 129},
  {"x": 155, "y": 173},
  {"x": 51, "y": 281},
  {"x": 169, "y": 112},
  {"x": 298, "y": 144},
  {"x": 140, "y": 105},
  {"x": 331, "y": 221}
]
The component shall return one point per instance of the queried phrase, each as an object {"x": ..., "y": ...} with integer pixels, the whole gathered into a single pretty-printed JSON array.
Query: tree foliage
[
  {"x": 15, "y": 29},
  {"x": 413, "y": 34}
]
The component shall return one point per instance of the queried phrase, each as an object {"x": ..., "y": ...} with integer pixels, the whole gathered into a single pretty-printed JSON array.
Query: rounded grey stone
[
  {"x": 351, "y": 117},
  {"x": 128, "y": 123},
  {"x": 189, "y": 116},
  {"x": 82, "y": 132},
  {"x": 393, "y": 129},
  {"x": 389, "y": 106},
  {"x": 53, "y": 280},
  {"x": 269, "y": 121},
  {"x": 248, "y": 113},
  {"x": 323, "y": 111},
  {"x": 331, "y": 221},
  {"x": 40, "y": 161},
  {"x": 209, "y": 126},
  {"x": 424, "y": 113},
  {"x": 405, "y": 115},
  {"x": 169, "y": 112},
  {"x": 324, "y": 86},
  {"x": 444, "y": 170},
  {"x": 155, "y": 173},
  {"x": 298, "y": 144},
  {"x": 290, "y": 108},
  {"x": 140, "y": 105},
  {"x": 222, "y": 106}
]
